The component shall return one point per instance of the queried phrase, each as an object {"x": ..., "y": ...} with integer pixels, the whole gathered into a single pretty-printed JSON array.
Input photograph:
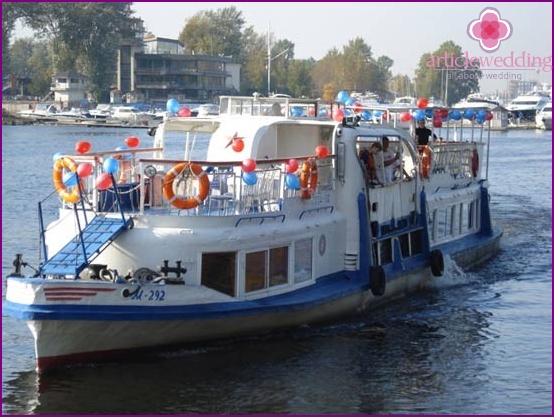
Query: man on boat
[{"x": 423, "y": 134}]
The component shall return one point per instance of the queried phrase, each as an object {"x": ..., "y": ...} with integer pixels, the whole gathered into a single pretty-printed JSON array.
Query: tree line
[{"x": 85, "y": 37}]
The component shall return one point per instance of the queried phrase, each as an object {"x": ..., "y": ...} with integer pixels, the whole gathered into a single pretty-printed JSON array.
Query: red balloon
[
  {"x": 248, "y": 165},
  {"x": 84, "y": 169},
  {"x": 338, "y": 115},
  {"x": 82, "y": 147},
  {"x": 184, "y": 112},
  {"x": 291, "y": 166},
  {"x": 489, "y": 115},
  {"x": 311, "y": 111},
  {"x": 405, "y": 116},
  {"x": 358, "y": 107},
  {"x": 385, "y": 116},
  {"x": 132, "y": 142},
  {"x": 321, "y": 151},
  {"x": 443, "y": 113},
  {"x": 103, "y": 181},
  {"x": 422, "y": 103},
  {"x": 238, "y": 145},
  {"x": 437, "y": 121}
]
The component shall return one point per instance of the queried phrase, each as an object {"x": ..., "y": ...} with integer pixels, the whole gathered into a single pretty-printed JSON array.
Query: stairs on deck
[{"x": 95, "y": 237}]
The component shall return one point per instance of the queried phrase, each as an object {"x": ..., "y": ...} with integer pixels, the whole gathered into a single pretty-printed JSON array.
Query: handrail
[{"x": 237, "y": 163}]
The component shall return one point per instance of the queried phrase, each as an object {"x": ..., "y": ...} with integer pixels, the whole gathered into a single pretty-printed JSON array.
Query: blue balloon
[
  {"x": 57, "y": 156},
  {"x": 350, "y": 101},
  {"x": 122, "y": 148},
  {"x": 292, "y": 182},
  {"x": 70, "y": 179},
  {"x": 480, "y": 120},
  {"x": 297, "y": 111},
  {"x": 418, "y": 115},
  {"x": 111, "y": 165},
  {"x": 342, "y": 96},
  {"x": 429, "y": 113},
  {"x": 366, "y": 115},
  {"x": 172, "y": 106},
  {"x": 377, "y": 113},
  {"x": 250, "y": 178},
  {"x": 481, "y": 114},
  {"x": 322, "y": 113},
  {"x": 469, "y": 114},
  {"x": 455, "y": 115}
]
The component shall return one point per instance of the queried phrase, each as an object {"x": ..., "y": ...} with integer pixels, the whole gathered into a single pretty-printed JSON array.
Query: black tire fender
[
  {"x": 377, "y": 280},
  {"x": 436, "y": 261}
]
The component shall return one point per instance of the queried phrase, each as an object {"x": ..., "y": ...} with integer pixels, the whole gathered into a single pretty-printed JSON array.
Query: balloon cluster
[
  {"x": 110, "y": 165},
  {"x": 172, "y": 106},
  {"x": 248, "y": 175}
]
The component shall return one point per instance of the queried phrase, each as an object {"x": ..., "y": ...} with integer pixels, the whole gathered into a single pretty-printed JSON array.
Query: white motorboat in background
[
  {"x": 478, "y": 101},
  {"x": 544, "y": 117},
  {"x": 41, "y": 111},
  {"x": 528, "y": 105}
]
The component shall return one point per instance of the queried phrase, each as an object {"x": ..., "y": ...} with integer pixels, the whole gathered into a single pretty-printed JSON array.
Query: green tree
[
  {"x": 214, "y": 32},
  {"x": 401, "y": 85},
  {"x": 353, "y": 69},
  {"x": 282, "y": 54},
  {"x": 32, "y": 59},
  {"x": 299, "y": 81},
  {"x": 85, "y": 37},
  {"x": 355, "y": 65},
  {"x": 254, "y": 63},
  {"x": 10, "y": 14},
  {"x": 380, "y": 75},
  {"x": 327, "y": 75},
  {"x": 436, "y": 75}
]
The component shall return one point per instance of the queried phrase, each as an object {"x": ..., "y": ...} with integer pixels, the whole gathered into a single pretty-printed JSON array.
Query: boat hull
[{"x": 110, "y": 328}]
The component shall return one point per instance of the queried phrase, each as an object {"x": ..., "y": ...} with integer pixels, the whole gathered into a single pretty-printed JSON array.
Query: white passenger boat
[{"x": 280, "y": 224}]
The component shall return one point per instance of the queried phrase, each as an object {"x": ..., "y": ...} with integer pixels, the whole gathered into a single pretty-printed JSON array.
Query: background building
[{"x": 152, "y": 70}]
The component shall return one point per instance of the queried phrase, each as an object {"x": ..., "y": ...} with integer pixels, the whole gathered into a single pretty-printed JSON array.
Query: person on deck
[{"x": 423, "y": 134}]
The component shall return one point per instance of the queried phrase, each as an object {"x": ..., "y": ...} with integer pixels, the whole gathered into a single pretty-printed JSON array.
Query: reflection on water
[{"x": 413, "y": 352}]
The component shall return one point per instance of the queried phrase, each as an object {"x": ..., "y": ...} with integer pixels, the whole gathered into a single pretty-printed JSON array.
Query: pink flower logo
[{"x": 489, "y": 29}]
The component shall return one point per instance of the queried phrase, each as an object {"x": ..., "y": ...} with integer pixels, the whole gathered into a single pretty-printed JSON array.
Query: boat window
[
  {"x": 218, "y": 272},
  {"x": 385, "y": 251},
  {"x": 416, "y": 242},
  {"x": 302, "y": 260},
  {"x": 278, "y": 266},
  {"x": 267, "y": 268},
  {"x": 404, "y": 244},
  {"x": 255, "y": 271}
]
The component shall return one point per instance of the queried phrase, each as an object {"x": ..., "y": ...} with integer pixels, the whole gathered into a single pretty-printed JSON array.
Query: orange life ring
[
  {"x": 185, "y": 203},
  {"x": 308, "y": 178},
  {"x": 57, "y": 176},
  {"x": 475, "y": 163},
  {"x": 425, "y": 166}
]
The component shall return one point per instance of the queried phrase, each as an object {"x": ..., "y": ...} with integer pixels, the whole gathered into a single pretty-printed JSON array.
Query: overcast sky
[{"x": 401, "y": 31}]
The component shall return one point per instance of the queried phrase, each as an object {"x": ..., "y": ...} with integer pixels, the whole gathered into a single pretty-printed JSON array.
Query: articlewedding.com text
[{"x": 512, "y": 61}]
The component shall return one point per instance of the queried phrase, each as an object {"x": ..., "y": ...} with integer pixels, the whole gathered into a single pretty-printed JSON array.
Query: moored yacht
[{"x": 528, "y": 105}]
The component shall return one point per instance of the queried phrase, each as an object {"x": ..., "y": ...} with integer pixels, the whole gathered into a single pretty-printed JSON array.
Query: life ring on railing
[
  {"x": 308, "y": 178},
  {"x": 425, "y": 167},
  {"x": 185, "y": 203},
  {"x": 475, "y": 163},
  {"x": 57, "y": 175}
]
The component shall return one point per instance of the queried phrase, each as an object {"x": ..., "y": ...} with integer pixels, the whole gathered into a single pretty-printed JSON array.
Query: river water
[{"x": 479, "y": 342}]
